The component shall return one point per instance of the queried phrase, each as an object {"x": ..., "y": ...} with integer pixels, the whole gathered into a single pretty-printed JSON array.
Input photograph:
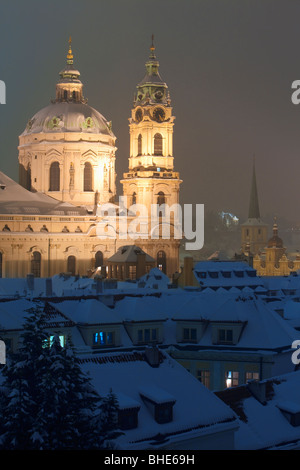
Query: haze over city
[{"x": 229, "y": 67}]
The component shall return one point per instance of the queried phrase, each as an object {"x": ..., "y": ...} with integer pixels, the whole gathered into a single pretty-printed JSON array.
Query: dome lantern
[{"x": 69, "y": 87}]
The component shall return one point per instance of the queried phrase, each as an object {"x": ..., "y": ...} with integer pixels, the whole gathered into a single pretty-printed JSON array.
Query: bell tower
[{"x": 151, "y": 178}]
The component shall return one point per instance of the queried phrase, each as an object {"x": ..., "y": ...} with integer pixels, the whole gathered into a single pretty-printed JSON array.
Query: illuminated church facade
[{"x": 67, "y": 153}]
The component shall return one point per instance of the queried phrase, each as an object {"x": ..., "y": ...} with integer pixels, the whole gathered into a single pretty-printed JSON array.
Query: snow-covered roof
[
  {"x": 88, "y": 311},
  {"x": 139, "y": 309},
  {"x": 14, "y": 199},
  {"x": 155, "y": 279},
  {"x": 195, "y": 408},
  {"x": 264, "y": 426},
  {"x": 14, "y": 312},
  {"x": 226, "y": 274}
]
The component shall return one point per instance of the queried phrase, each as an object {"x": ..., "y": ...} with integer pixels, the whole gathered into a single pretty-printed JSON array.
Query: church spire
[
  {"x": 70, "y": 53},
  {"x": 69, "y": 87},
  {"x": 254, "y": 212}
]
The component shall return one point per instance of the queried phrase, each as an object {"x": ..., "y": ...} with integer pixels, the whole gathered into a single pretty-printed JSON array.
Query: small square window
[
  {"x": 231, "y": 379},
  {"x": 225, "y": 335}
]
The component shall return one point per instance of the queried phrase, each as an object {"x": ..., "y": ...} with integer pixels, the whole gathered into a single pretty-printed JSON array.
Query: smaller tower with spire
[{"x": 254, "y": 231}]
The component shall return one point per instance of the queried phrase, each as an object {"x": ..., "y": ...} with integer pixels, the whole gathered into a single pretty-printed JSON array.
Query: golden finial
[
  {"x": 152, "y": 48},
  {"x": 70, "y": 53}
]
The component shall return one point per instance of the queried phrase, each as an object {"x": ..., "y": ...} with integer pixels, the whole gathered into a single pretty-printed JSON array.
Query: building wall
[{"x": 71, "y": 151}]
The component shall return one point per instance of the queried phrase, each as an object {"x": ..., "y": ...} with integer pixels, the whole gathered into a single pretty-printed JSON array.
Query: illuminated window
[
  {"x": 231, "y": 378},
  {"x": 161, "y": 261},
  {"x": 88, "y": 177},
  {"x": 203, "y": 376},
  {"x": 54, "y": 177},
  {"x": 158, "y": 144},
  {"x": 140, "y": 142},
  {"x": 189, "y": 334},
  {"x": 251, "y": 376},
  {"x": 104, "y": 338},
  {"x": 36, "y": 264},
  {"x": 48, "y": 342}
]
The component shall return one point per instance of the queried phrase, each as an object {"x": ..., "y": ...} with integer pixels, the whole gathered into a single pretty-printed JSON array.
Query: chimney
[
  {"x": 48, "y": 287},
  {"x": 258, "y": 390},
  {"x": 103, "y": 271},
  {"x": 141, "y": 265},
  {"x": 188, "y": 271},
  {"x": 30, "y": 281},
  {"x": 99, "y": 285},
  {"x": 152, "y": 356}
]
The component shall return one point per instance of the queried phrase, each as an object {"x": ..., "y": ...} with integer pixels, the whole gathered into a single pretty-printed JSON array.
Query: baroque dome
[{"x": 63, "y": 116}]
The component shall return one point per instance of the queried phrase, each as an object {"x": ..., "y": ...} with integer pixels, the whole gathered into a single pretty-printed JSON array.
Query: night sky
[{"x": 229, "y": 66}]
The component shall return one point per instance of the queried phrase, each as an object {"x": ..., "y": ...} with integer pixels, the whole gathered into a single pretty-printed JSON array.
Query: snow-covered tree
[
  {"x": 46, "y": 401},
  {"x": 22, "y": 395},
  {"x": 70, "y": 403},
  {"x": 108, "y": 419}
]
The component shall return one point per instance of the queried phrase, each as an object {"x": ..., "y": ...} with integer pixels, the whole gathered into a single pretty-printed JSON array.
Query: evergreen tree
[
  {"x": 22, "y": 396},
  {"x": 46, "y": 401},
  {"x": 70, "y": 402},
  {"x": 108, "y": 419}
]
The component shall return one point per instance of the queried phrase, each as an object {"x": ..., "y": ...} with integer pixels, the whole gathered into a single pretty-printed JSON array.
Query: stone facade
[{"x": 67, "y": 156}]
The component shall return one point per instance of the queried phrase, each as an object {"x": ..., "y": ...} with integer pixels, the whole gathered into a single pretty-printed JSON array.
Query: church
[{"x": 67, "y": 157}]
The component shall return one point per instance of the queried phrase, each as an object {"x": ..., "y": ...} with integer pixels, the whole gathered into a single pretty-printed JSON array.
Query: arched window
[
  {"x": 161, "y": 261},
  {"x": 133, "y": 198},
  {"x": 36, "y": 264},
  {"x": 71, "y": 265},
  {"x": 54, "y": 177},
  {"x": 140, "y": 142},
  {"x": 74, "y": 95},
  {"x": 1, "y": 264},
  {"x": 28, "y": 177},
  {"x": 158, "y": 144},
  {"x": 98, "y": 259},
  {"x": 88, "y": 177},
  {"x": 65, "y": 95},
  {"x": 161, "y": 199}
]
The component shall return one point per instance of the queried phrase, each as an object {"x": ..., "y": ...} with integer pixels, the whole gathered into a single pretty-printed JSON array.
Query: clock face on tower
[
  {"x": 159, "y": 114},
  {"x": 139, "y": 115}
]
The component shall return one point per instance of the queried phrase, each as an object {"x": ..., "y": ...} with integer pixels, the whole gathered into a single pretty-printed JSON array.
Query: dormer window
[
  {"x": 159, "y": 403},
  {"x": 226, "y": 274},
  {"x": 226, "y": 332},
  {"x": 189, "y": 335},
  {"x": 103, "y": 338},
  {"x": 213, "y": 274},
  {"x": 239, "y": 273},
  {"x": 225, "y": 336},
  {"x": 147, "y": 335},
  {"x": 291, "y": 411}
]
